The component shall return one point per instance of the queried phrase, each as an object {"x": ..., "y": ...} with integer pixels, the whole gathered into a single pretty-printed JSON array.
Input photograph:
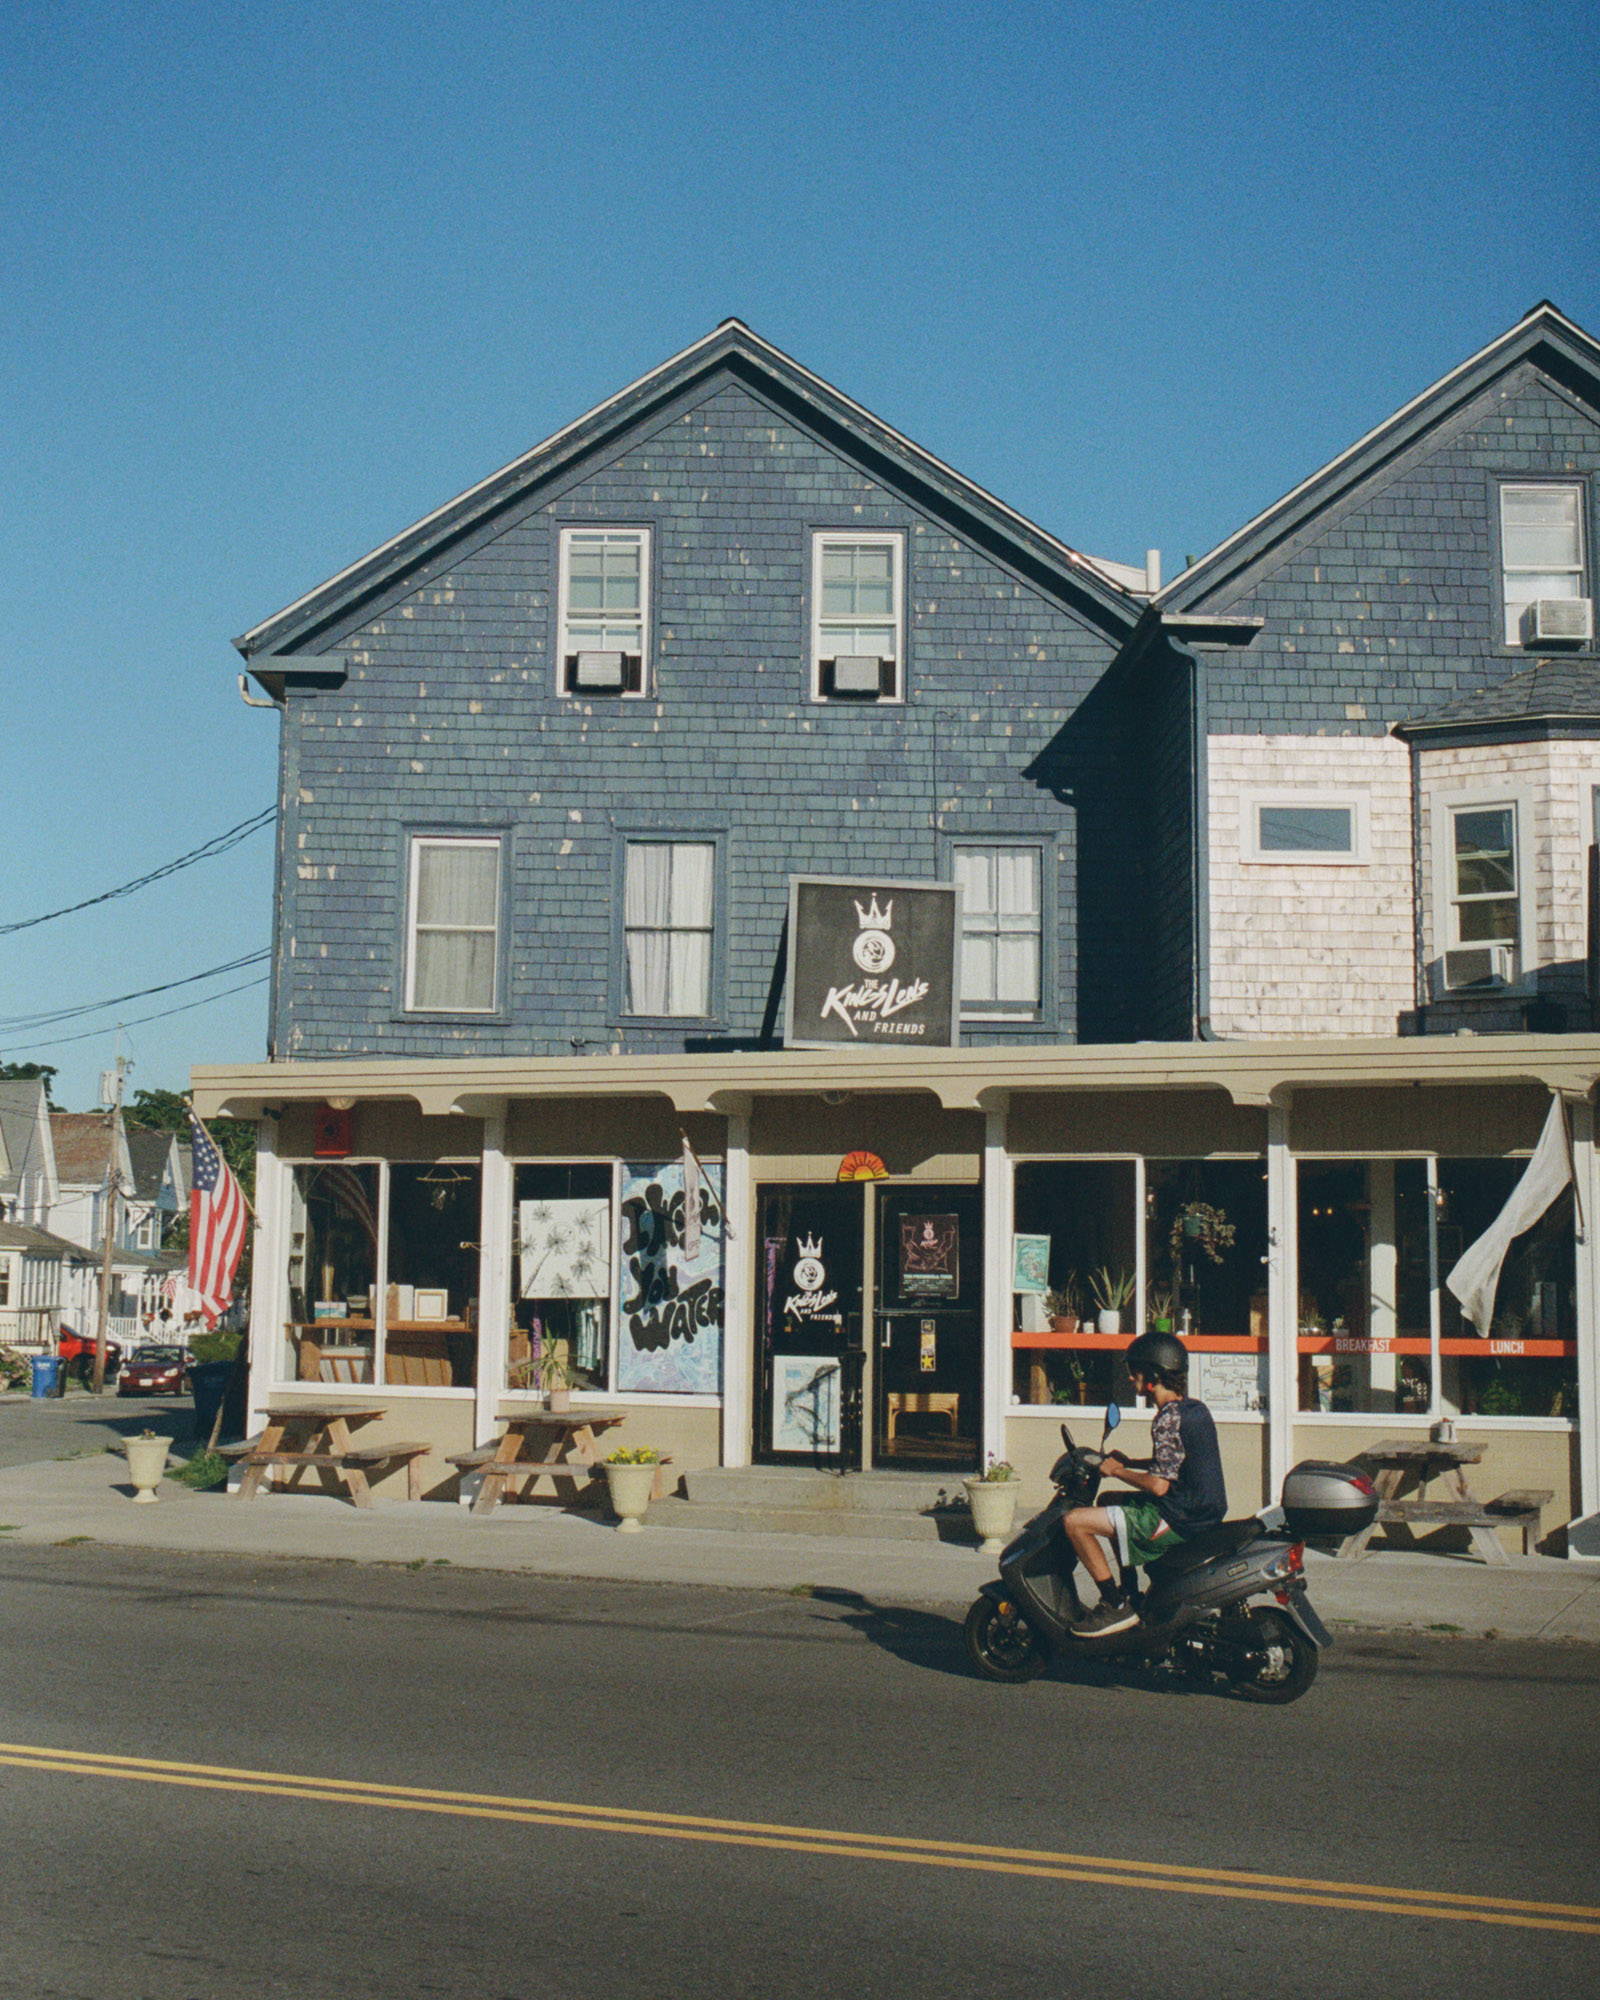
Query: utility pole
[{"x": 110, "y": 1089}]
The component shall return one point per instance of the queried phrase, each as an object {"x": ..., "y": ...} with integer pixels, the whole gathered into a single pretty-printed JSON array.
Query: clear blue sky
[{"x": 281, "y": 278}]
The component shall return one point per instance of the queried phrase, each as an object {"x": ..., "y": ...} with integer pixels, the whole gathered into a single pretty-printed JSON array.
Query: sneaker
[{"x": 1103, "y": 1620}]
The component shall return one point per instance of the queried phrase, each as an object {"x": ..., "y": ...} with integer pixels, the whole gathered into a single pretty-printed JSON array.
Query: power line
[
  {"x": 188, "y": 1007},
  {"x": 219, "y": 845},
  {"x": 22, "y": 1023}
]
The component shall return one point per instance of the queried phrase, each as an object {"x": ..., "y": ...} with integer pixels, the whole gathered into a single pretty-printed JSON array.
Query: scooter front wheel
[
  {"x": 1001, "y": 1644},
  {"x": 1280, "y": 1661}
]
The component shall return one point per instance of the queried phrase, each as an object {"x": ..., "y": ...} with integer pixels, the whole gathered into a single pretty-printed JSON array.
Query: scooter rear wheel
[
  {"x": 1282, "y": 1660},
  {"x": 1001, "y": 1645}
]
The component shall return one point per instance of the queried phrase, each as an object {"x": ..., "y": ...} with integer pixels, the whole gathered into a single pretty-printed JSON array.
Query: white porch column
[
  {"x": 998, "y": 1213},
  {"x": 269, "y": 1270},
  {"x": 495, "y": 1232},
  {"x": 738, "y": 1291},
  {"x": 1283, "y": 1295},
  {"x": 1585, "y": 1162}
]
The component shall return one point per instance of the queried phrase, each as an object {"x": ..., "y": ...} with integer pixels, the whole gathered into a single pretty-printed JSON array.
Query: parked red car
[{"x": 154, "y": 1371}]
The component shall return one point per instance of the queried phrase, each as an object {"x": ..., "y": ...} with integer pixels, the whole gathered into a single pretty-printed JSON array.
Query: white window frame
[
  {"x": 1442, "y": 810},
  {"x": 1579, "y": 570},
  {"x": 1251, "y": 850},
  {"x": 564, "y": 647},
  {"x": 822, "y": 540},
  {"x": 1003, "y": 1010},
  {"x": 418, "y": 842}
]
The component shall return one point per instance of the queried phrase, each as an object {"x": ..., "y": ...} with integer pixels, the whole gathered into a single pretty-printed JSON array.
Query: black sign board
[{"x": 872, "y": 962}]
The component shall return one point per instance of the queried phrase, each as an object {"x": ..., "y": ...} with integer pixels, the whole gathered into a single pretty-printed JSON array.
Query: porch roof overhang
[{"x": 1247, "y": 1073}]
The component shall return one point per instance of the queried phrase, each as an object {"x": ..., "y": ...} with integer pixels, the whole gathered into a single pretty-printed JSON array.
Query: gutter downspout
[{"x": 1199, "y": 846}]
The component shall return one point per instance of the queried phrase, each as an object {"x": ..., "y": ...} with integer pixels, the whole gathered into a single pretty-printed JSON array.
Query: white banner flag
[{"x": 1476, "y": 1276}]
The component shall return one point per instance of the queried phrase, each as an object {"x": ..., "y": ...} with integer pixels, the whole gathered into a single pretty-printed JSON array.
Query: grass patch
[
  {"x": 10, "y": 1527},
  {"x": 1445, "y": 1628},
  {"x": 73, "y": 1541},
  {"x": 203, "y": 1473}
]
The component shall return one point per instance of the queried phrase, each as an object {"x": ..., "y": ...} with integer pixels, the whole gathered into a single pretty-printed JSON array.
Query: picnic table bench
[
  {"x": 306, "y": 1437},
  {"x": 534, "y": 1446},
  {"x": 1397, "y": 1459}
]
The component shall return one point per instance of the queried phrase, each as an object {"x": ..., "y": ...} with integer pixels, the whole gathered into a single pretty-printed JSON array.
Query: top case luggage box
[{"x": 1320, "y": 1498}]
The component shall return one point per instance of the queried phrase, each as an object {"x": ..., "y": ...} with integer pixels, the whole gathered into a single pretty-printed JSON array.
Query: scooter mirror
[{"x": 1113, "y": 1417}]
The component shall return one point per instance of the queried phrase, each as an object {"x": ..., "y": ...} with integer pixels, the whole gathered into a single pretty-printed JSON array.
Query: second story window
[
  {"x": 603, "y": 636},
  {"x": 1485, "y": 897},
  {"x": 858, "y": 619},
  {"x": 1001, "y": 932},
  {"x": 453, "y": 925},
  {"x": 668, "y": 900},
  {"x": 1542, "y": 563}
]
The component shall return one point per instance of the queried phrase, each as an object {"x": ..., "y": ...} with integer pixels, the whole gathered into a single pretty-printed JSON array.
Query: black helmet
[{"x": 1161, "y": 1356}]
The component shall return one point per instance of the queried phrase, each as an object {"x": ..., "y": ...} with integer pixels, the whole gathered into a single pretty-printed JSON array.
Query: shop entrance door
[
  {"x": 809, "y": 1408},
  {"x": 928, "y": 1352}
]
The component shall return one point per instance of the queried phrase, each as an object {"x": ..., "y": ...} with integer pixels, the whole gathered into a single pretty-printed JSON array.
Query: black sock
[{"x": 1112, "y": 1594}]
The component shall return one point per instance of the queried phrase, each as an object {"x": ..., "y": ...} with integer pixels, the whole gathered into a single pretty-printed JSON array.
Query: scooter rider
[{"x": 1180, "y": 1486}]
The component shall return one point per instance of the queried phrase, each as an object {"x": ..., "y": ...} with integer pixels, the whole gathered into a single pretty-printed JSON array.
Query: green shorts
[{"x": 1142, "y": 1534}]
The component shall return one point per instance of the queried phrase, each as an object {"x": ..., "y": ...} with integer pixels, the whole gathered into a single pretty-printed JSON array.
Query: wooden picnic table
[
  {"x": 559, "y": 1445},
  {"x": 315, "y": 1436},
  {"x": 1398, "y": 1460}
]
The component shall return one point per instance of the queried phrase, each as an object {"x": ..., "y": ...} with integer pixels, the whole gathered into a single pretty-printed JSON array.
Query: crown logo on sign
[
  {"x": 811, "y": 1246},
  {"x": 874, "y": 919}
]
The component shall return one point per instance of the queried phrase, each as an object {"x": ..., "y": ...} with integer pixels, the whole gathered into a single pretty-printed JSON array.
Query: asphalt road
[
  {"x": 1462, "y": 1768},
  {"x": 63, "y": 1427}
]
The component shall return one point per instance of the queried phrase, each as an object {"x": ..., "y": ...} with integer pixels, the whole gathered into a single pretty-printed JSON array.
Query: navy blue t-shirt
[{"x": 1184, "y": 1450}]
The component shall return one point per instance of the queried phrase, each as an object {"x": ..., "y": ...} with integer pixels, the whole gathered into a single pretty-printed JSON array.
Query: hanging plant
[{"x": 1198, "y": 1228}]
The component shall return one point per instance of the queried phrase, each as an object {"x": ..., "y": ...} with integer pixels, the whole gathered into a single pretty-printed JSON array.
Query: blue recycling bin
[{"x": 46, "y": 1371}]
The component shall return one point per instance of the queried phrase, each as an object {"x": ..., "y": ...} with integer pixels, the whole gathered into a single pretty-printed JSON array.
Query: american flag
[{"x": 217, "y": 1216}]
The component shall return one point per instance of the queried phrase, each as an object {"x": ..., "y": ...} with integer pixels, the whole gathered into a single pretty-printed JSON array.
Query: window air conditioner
[
  {"x": 1476, "y": 966},
  {"x": 601, "y": 673},
  {"x": 1551, "y": 620},
  {"x": 862, "y": 675}
]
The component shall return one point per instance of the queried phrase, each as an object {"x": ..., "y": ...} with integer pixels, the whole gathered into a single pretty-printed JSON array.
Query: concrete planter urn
[
  {"x": 630, "y": 1493},
  {"x": 147, "y": 1461},
  {"x": 994, "y": 1506}
]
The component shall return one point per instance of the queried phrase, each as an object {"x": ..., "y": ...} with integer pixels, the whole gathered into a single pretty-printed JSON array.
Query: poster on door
[
  {"x": 930, "y": 1256},
  {"x": 669, "y": 1303},
  {"x": 805, "y": 1403}
]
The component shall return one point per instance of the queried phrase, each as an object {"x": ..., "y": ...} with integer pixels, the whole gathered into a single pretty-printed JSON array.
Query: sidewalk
[{"x": 62, "y": 1500}]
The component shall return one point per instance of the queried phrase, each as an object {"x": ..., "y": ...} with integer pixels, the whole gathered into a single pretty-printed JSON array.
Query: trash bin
[
  {"x": 208, "y": 1381},
  {"x": 46, "y": 1372}
]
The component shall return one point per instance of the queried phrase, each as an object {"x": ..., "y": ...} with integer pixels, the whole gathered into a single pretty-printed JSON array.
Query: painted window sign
[
  {"x": 566, "y": 1248},
  {"x": 670, "y": 1303},
  {"x": 872, "y": 962},
  {"x": 930, "y": 1256}
]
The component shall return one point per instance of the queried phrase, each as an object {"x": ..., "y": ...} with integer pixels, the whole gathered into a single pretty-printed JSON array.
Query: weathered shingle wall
[
  {"x": 449, "y": 720},
  {"x": 1390, "y": 606}
]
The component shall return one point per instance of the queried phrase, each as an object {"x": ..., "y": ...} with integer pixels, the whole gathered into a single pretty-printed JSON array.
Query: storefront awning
[{"x": 1255, "y": 1073}]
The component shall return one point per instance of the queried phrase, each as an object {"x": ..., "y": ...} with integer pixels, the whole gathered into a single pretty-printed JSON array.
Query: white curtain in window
[
  {"x": 667, "y": 912},
  {"x": 458, "y": 891},
  {"x": 1000, "y": 923}
]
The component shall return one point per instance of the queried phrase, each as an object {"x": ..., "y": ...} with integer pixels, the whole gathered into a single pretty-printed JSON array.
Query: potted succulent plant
[
  {"x": 1064, "y": 1305},
  {"x": 630, "y": 1474},
  {"x": 1111, "y": 1291},
  {"x": 555, "y": 1375},
  {"x": 1161, "y": 1308},
  {"x": 992, "y": 1496}
]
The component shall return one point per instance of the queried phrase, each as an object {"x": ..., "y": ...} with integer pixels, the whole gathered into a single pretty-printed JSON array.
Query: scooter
[{"x": 1228, "y": 1607}]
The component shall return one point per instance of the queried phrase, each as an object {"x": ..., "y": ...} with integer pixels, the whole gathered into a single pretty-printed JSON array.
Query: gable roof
[
  {"x": 151, "y": 1155},
  {"x": 86, "y": 1144},
  {"x": 25, "y": 1129},
  {"x": 1544, "y": 337},
  {"x": 279, "y": 644},
  {"x": 1550, "y": 693}
]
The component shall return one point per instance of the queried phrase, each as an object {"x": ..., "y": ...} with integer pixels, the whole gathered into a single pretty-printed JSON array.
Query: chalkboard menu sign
[{"x": 872, "y": 962}]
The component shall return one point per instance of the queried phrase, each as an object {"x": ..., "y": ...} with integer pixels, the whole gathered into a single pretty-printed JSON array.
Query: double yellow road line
[{"x": 1040, "y": 1864}]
